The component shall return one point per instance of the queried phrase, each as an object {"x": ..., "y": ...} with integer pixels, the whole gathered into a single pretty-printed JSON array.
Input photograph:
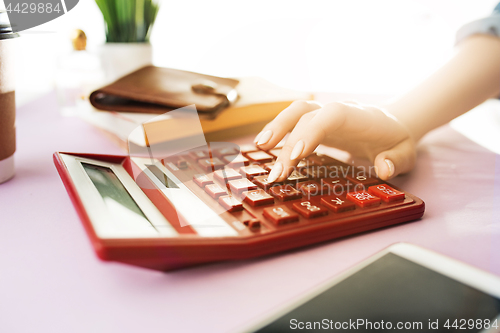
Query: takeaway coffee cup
[{"x": 7, "y": 99}]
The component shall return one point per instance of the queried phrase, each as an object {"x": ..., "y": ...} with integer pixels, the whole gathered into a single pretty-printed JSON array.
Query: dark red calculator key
[
  {"x": 337, "y": 185},
  {"x": 223, "y": 175},
  {"x": 386, "y": 193},
  {"x": 321, "y": 160},
  {"x": 210, "y": 164},
  {"x": 260, "y": 156},
  {"x": 252, "y": 171},
  {"x": 296, "y": 176},
  {"x": 262, "y": 182},
  {"x": 312, "y": 187},
  {"x": 362, "y": 179},
  {"x": 333, "y": 182},
  {"x": 199, "y": 154},
  {"x": 363, "y": 199},
  {"x": 285, "y": 192},
  {"x": 315, "y": 171},
  {"x": 280, "y": 215},
  {"x": 241, "y": 185},
  {"x": 252, "y": 224},
  {"x": 257, "y": 198},
  {"x": 236, "y": 160},
  {"x": 202, "y": 180},
  {"x": 215, "y": 190},
  {"x": 309, "y": 209},
  {"x": 337, "y": 203},
  {"x": 230, "y": 203}
]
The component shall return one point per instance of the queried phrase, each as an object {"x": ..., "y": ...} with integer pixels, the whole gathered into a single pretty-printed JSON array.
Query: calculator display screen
[
  {"x": 394, "y": 290},
  {"x": 116, "y": 198}
]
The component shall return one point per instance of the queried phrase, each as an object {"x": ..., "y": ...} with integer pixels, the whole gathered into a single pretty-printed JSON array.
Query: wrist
[{"x": 402, "y": 116}]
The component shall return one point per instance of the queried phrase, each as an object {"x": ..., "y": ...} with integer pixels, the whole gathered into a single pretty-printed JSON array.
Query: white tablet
[{"x": 404, "y": 288}]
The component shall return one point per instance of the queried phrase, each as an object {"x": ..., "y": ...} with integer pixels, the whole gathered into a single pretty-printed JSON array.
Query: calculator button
[
  {"x": 280, "y": 215},
  {"x": 302, "y": 163},
  {"x": 362, "y": 179},
  {"x": 311, "y": 188},
  {"x": 337, "y": 203},
  {"x": 296, "y": 176},
  {"x": 248, "y": 148},
  {"x": 225, "y": 151},
  {"x": 230, "y": 203},
  {"x": 285, "y": 192},
  {"x": 275, "y": 152},
  {"x": 321, "y": 160},
  {"x": 262, "y": 182},
  {"x": 333, "y": 182},
  {"x": 252, "y": 171},
  {"x": 257, "y": 198},
  {"x": 309, "y": 209},
  {"x": 363, "y": 199},
  {"x": 199, "y": 154},
  {"x": 337, "y": 185},
  {"x": 260, "y": 156},
  {"x": 386, "y": 192},
  {"x": 321, "y": 171},
  {"x": 215, "y": 190},
  {"x": 241, "y": 185},
  {"x": 252, "y": 224},
  {"x": 211, "y": 164},
  {"x": 315, "y": 171},
  {"x": 202, "y": 180},
  {"x": 268, "y": 166},
  {"x": 224, "y": 175},
  {"x": 182, "y": 164},
  {"x": 236, "y": 160}
]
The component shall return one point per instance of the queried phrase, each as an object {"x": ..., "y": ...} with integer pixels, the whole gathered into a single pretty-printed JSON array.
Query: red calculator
[{"x": 214, "y": 203}]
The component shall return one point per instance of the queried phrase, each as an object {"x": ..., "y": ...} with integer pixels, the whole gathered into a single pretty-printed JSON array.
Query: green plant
[{"x": 128, "y": 21}]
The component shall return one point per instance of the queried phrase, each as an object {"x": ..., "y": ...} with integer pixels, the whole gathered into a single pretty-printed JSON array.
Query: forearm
[{"x": 470, "y": 77}]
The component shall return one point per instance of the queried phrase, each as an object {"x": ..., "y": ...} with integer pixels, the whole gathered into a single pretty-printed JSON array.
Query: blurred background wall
[{"x": 355, "y": 46}]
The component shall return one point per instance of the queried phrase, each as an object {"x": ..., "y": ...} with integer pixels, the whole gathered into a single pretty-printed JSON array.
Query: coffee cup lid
[{"x": 5, "y": 27}]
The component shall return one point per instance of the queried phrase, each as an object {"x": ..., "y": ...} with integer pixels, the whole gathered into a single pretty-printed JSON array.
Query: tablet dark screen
[{"x": 390, "y": 291}]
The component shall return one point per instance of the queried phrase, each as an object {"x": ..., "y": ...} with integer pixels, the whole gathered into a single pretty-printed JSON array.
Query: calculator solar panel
[{"x": 214, "y": 204}]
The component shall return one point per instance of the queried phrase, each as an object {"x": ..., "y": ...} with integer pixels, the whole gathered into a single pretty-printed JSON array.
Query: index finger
[
  {"x": 306, "y": 136},
  {"x": 284, "y": 122}
]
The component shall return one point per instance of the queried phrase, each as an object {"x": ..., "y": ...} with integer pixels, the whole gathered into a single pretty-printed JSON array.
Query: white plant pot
[{"x": 119, "y": 59}]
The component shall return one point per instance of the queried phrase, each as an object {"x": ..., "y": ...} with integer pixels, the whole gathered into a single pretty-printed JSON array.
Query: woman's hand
[
  {"x": 362, "y": 130},
  {"x": 465, "y": 81}
]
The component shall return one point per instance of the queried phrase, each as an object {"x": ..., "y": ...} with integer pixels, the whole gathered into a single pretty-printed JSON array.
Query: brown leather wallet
[{"x": 158, "y": 90}]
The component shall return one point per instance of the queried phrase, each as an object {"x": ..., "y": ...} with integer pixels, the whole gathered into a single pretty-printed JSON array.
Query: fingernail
[
  {"x": 297, "y": 150},
  {"x": 390, "y": 165},
  {"x": 265, "y": 137},
  {"x": 257, "y": 138},
  {"x": 275, "y": 172}
]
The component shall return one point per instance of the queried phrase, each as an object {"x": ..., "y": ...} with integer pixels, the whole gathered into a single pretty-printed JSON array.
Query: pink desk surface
[{"x": 51, "y": 281}]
